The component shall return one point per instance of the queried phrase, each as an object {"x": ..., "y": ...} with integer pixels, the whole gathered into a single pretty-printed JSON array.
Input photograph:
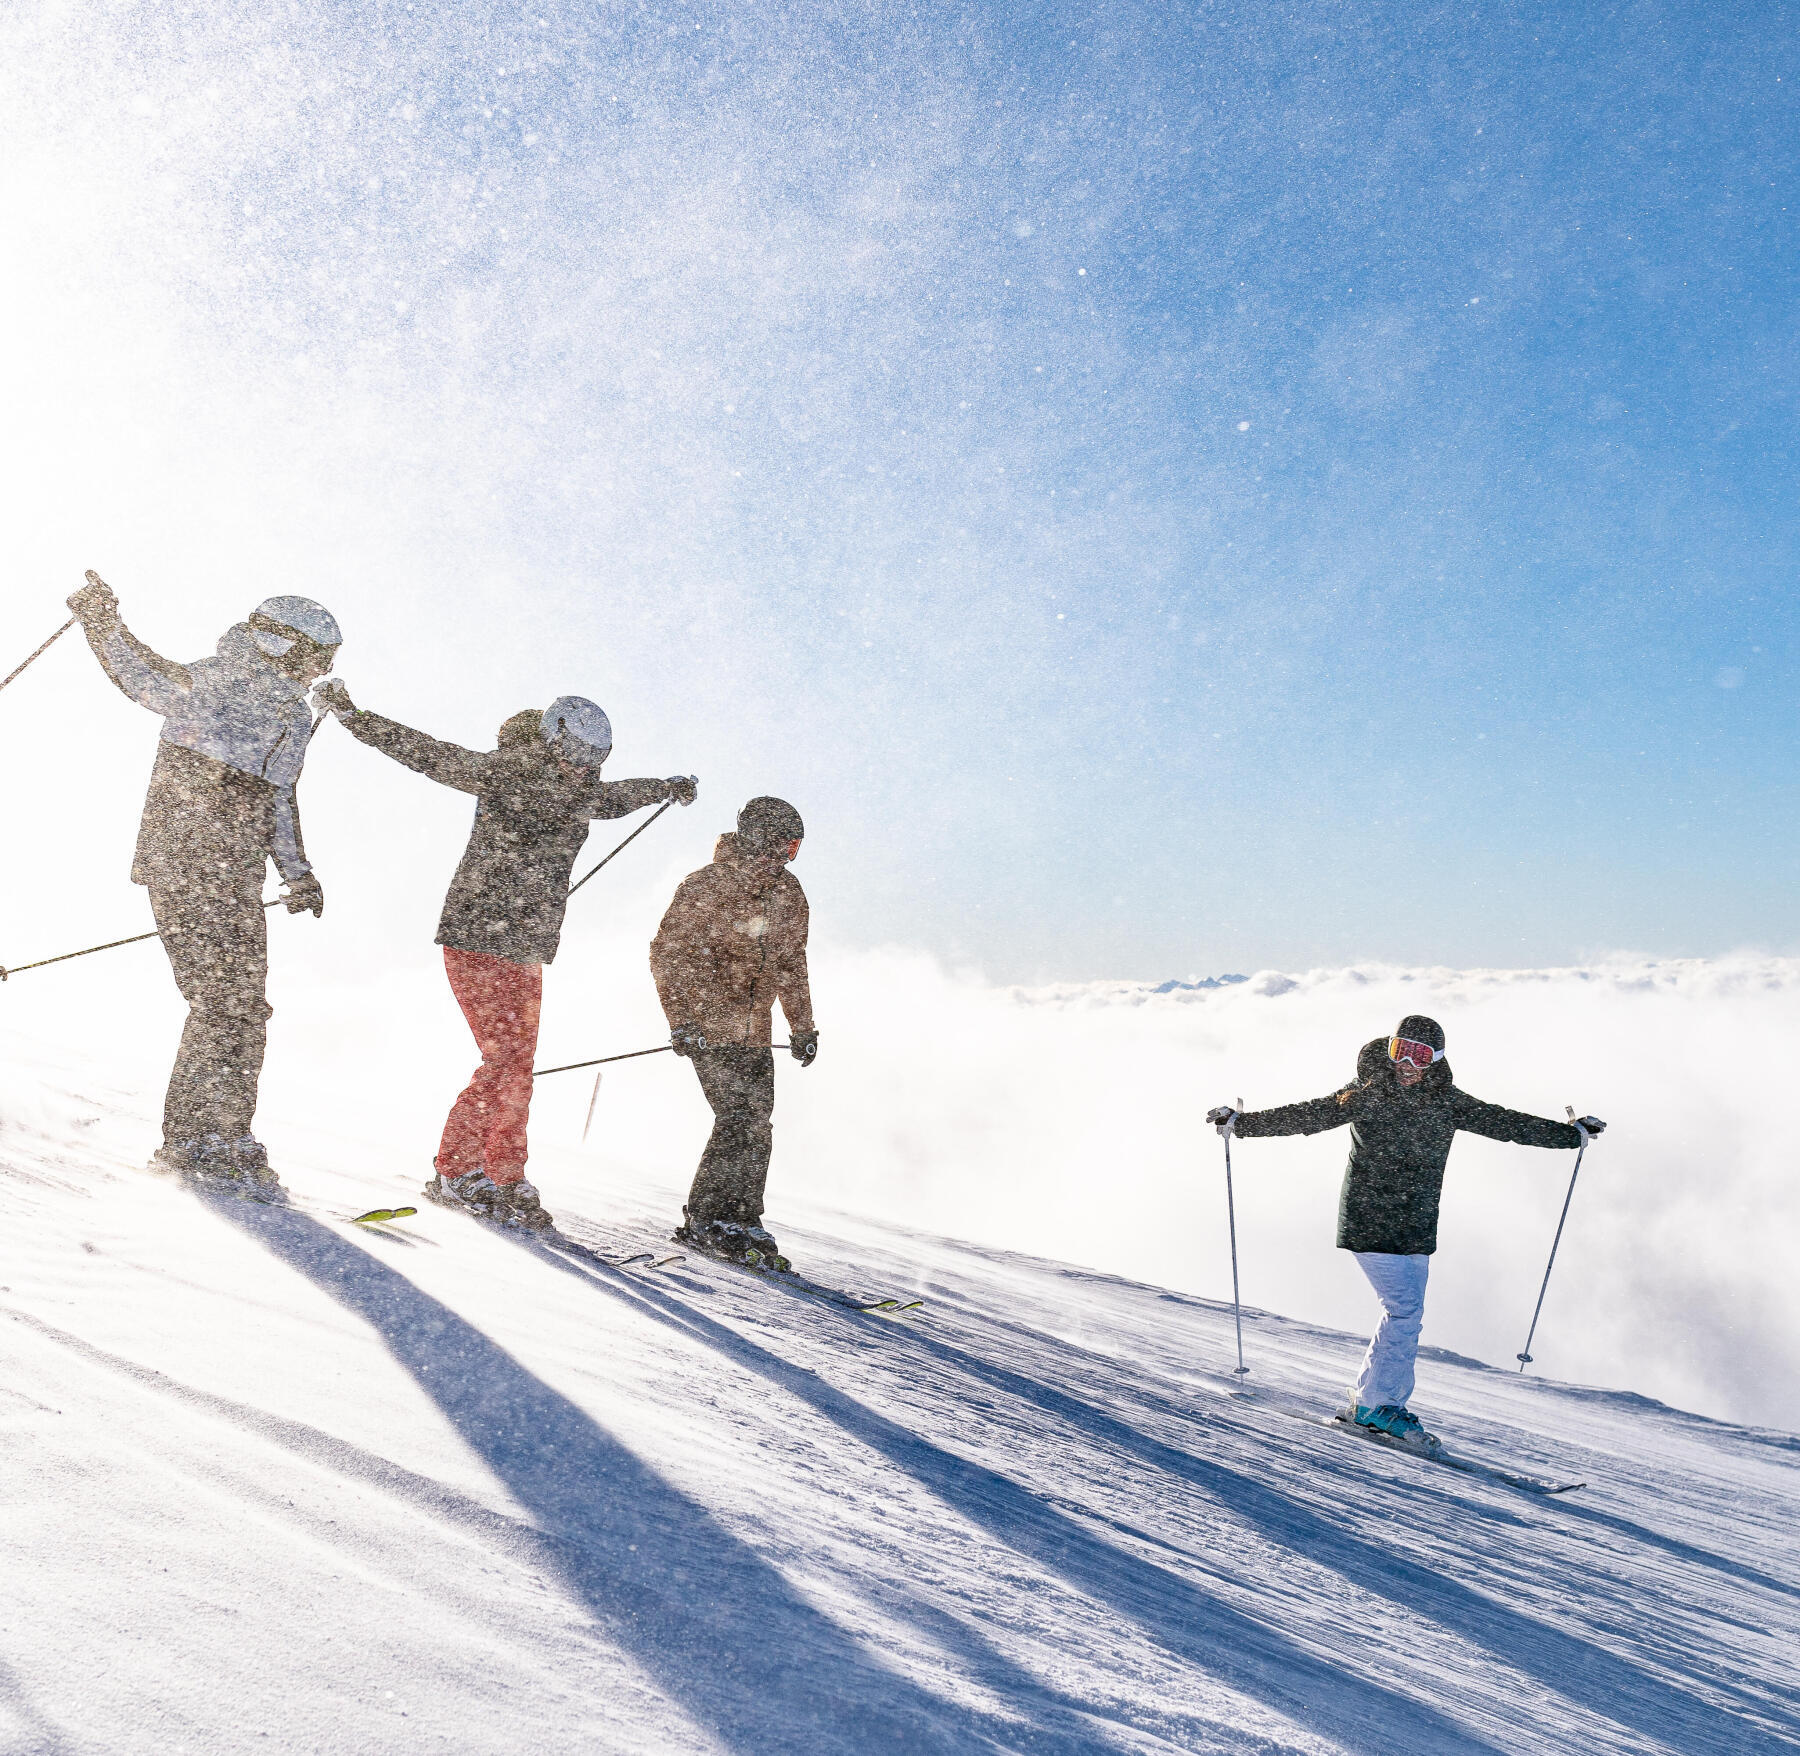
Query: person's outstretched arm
[
  {"x": 142, "y": 675},
  {"x": 619, "y": 798},
  {"x": 1513, "y": 1126},
  {"x": 448, "y": 764},
  {"x": 1314, "y": 1116}
]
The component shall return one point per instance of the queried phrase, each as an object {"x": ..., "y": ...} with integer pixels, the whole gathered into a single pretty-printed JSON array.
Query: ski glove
[
  {"x": 684, "y": 1039},
  {"x": 1590, "y": 1126},
  {"x": 331, "y": 696},
  {"x": 1224, "y": 1118},
  {"x": 305, "y": 896},
  {"x": 804, "y": 1046},
  {"x": 96, "y": 605},
  {"x": 683, "y": 788}
]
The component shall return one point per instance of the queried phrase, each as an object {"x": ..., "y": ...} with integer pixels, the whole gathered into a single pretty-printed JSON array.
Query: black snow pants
[{"x": 740, "y": 1086}]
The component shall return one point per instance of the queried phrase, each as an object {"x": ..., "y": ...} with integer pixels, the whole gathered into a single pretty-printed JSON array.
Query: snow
[{"x": 276, "y": 1483}]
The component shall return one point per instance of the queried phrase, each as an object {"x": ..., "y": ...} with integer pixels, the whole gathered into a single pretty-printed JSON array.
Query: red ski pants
[{"x": 486, "y": 1129}]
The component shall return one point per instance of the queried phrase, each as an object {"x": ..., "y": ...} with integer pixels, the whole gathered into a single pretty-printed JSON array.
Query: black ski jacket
[
  {"x": 511, "y": 890},
  {"x": 1399, "y": 1144}
]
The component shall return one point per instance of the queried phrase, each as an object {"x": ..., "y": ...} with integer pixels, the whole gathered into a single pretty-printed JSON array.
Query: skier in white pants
[{"x": 1403, "y": 1110}]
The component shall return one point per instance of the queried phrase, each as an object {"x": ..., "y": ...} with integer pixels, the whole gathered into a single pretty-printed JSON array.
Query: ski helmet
[
  {"x": 276, "y": 623},
  {"x": 578, "y": 730},
  {"x": 766, "y": 824}
]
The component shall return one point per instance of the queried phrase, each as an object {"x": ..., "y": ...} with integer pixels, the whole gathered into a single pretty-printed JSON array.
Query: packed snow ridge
[{"x": 279, "y": 1483}]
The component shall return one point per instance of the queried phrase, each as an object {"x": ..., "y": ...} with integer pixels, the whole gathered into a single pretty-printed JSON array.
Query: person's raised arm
[
  {"x": 448, "y": 764},
  {"x": 144, "y": 676}
]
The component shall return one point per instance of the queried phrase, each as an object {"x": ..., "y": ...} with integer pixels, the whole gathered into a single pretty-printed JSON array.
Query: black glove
[
  {"x": 96, "y": 605},
  {"x": 1224, "y": 1118},
  {"x": 684, "y": 1039},
  {"x": 304, "y": 896},
  {"x": 803, "y": 1045},
  {"x": 332, "y": 697},
  {"x": 1590, "y": 1126},
  {"x": 684, "y": 787}
]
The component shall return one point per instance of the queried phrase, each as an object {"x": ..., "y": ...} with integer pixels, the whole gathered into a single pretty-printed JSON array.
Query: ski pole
[
  {"x": 54, "y": 638},
  {"x": 585, "y": 1126},
  {"x": 1237, "y": 1311},
  {"x": 622, "y": 847},
  {"x": 1525, "y": 1358},
  {"x": 635, "y": 1055},
  {"x": 111, "y": 945}
]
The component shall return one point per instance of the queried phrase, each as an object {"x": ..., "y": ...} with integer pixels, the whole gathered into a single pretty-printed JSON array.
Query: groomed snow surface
[{"x": 274, "y": 1483}]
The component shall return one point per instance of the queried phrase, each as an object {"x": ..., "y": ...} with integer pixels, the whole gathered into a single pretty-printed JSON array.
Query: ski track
[{"x": 279, "y": 1483}]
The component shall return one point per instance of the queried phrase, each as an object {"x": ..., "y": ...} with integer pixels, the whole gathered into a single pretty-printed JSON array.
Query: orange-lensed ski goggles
[{"x": 1410, "y": 1054}]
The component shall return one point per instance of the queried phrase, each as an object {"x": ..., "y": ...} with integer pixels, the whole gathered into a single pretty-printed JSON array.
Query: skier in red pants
[{"x": 502, "y": 921}]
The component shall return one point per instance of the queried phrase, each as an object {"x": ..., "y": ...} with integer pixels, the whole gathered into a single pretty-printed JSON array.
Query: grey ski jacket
[
  {"x": 1400, "y": 1142},
  {"x": 227, "y": 717}
]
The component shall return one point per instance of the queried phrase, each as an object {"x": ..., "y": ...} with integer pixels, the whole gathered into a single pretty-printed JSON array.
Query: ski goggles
[
  {"x": 1404, "y": 1052},
  {"x": 278, "y": 640}
]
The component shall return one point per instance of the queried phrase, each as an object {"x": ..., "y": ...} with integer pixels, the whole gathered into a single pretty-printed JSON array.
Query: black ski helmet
[
  {"x": 1416, "y": 1028},
  {"x": 766, "y": 824}
]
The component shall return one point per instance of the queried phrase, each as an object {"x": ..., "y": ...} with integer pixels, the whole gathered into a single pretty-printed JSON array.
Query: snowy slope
[{"x": 272, "y": 1483}]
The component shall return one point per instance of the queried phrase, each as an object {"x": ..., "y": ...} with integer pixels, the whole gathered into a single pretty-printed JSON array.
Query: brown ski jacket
[{"x": 732, "y": 943}]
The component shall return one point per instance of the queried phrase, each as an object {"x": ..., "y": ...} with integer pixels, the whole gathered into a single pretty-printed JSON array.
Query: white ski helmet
[
  {"x": 276, "y": 623},
  {"x": 578, "y": 730}
]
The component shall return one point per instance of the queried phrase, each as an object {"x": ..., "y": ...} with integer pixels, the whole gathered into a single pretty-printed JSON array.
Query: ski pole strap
[
  {"x": 54, "y": 638},
  {"x": 613, "y": 855},
  {"x": 638, "y": 1055},
  {"x": 111, "y": 945}
]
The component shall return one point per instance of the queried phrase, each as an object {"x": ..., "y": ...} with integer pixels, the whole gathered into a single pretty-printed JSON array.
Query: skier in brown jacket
[{"x": 732, "y": 943}]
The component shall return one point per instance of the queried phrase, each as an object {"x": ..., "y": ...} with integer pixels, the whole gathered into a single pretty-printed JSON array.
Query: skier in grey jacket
[
  {"x": 221, "y": 804},
  {"x": 1404, "y": 1111}
]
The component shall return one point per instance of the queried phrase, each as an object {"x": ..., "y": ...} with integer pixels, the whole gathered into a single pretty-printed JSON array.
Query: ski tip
[{"x": 381, "y": 1215}]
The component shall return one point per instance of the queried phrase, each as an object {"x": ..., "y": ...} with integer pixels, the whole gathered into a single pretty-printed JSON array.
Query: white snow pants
[{"x": 1387, "y": 1369}]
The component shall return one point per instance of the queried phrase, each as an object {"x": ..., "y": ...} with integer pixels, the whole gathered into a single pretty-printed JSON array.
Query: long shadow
[
  {"x": 715, "y": 1626},
  {"x": 1177, "y": 1613},
  {"x": 1356, "y": 1713},
  {"x": 1578, "y": 1669},
  {"x": 1692, "y": 1553},
  {"x": 43, "y": 1739}
]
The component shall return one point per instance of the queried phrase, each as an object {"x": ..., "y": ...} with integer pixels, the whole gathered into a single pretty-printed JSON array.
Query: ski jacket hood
[
  {"x": 1400, "y": 1142},
  {"x": 732, "y": 943},
  {"x": 237, "y": 710},
  {"x": 511, "y": 889}
]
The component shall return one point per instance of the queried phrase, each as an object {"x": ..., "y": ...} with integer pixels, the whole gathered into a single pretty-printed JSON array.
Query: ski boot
[
  {"x": 1397, "y": 1422},
  {"x": 732, "y": 1241},
  {"x": 212, "y": 1162},
  {"x": 471, "y": 1192},
  {"x": 517, "y": 1204}
]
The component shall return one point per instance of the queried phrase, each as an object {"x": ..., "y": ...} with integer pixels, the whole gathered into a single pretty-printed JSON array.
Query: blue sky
[{"x": 1164, "y": 489}]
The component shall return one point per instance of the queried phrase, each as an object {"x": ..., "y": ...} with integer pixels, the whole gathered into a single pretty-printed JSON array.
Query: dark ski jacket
[
  {"x": 1399, "y": 1144},
  {"x": 512, "y": 887}
]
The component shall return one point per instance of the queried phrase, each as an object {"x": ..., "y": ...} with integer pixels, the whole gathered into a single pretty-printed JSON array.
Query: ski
[
  {"x": 1436, "y": 1451},
  {"x": 642, "y": 1259},
  {"x": 381, "y": 1215},
  {"x": 786, "y": 1276}
]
